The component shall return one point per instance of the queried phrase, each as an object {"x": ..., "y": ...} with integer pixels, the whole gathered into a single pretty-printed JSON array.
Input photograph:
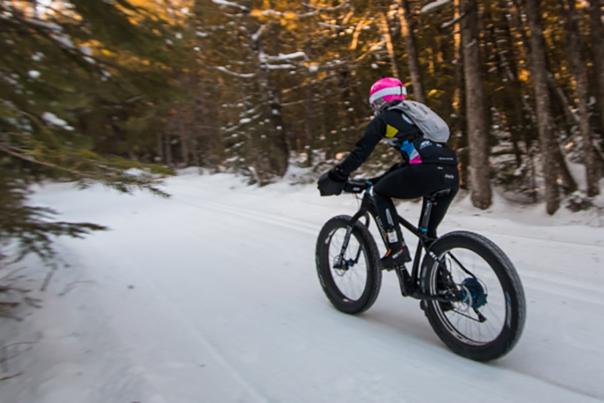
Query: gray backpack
[{"x": 432, "y": 126}]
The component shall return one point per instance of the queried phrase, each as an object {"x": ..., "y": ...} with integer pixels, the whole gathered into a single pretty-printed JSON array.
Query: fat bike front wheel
[
  {"x": 481, "y": 311},
  {"x": 350, "y": 276}
]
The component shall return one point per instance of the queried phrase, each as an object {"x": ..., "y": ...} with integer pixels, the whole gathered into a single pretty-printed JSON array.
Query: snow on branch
[
  {"x": 454, "y": 21},
  {"x": 229, "y": 4},
  {"x": 280, "y": 66},
  {"x": 428, "y": 8},
  {"x": 234, "y": 74},
  {"x": 283, "y": 57},
  {"x": 257, "y": 34}
]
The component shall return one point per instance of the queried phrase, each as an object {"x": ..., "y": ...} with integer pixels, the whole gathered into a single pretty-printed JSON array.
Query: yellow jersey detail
[{"x": 391, "y": 131}]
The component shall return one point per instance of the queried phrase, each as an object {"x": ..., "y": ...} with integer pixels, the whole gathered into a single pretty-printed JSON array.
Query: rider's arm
[{"x": 364, "y": 147}]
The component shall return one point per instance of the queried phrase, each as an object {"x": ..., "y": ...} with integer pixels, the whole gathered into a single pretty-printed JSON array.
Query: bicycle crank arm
[{"x": 404, "y": 281}]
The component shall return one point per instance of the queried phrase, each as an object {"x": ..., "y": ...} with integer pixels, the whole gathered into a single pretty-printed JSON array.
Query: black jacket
[{"x": 404, "y": 136}]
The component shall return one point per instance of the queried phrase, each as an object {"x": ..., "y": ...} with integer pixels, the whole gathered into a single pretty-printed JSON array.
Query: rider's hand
[{"x": 332, "y": 182}]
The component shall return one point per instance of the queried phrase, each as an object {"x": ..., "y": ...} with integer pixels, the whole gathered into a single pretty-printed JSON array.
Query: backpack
[{"x": 432, "y": 126}]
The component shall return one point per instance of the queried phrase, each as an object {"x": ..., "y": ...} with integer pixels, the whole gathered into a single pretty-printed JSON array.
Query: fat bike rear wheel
[
  {"x": 350, "y": 280},
  {"x": 482, "y": 310}
]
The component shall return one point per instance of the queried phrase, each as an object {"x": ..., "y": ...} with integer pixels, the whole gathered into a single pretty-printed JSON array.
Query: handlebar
[{"x": 357, "y": 186}]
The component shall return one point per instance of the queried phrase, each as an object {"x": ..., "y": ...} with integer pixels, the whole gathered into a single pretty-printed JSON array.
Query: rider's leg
[
  {"x": 394, "y": 184},
  {"x": 393, "y": 238},
  {"x": 450, "y": 180},
  {"x": 413, "y": 181}
]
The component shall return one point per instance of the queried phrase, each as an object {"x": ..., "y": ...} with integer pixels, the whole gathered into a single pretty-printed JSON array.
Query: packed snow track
[{"x": 212, "y": 296}]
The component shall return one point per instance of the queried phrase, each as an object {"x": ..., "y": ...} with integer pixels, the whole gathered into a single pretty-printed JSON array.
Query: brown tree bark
[
  {"x": 460, "y": 141},
  {"x": 575, "y": 53},
  {"x": 597, "y": 47},
  {"x": 544, "y": 118},
  {"x": 275, "y": 144},
  {"x": 385, "y": 29},
  {"x": 568, "y": 183},
  {"x": 478, "y": 130},
  {"x": 408, "y": 32}
]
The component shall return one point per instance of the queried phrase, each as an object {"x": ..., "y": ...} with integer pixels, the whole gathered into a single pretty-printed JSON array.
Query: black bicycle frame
[{"x": 410, "y": 285}]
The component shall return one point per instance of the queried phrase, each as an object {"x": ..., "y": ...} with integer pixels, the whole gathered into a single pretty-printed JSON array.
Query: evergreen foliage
[
  {"x": 91, "y": 89},
  {"x": 85, "y": 86}
]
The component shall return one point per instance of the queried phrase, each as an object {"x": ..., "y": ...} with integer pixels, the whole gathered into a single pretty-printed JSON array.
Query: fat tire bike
[{"x": 467, "y": 287}]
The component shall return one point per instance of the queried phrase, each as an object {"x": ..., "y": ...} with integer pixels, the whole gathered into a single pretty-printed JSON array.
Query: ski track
[
  {"x": 254, "y": 338},
  {"x": 557, "y": 286}
]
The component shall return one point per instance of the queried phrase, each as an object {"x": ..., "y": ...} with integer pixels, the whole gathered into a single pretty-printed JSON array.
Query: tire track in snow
[
  {"x": 280, "y": 221},
  {"x": 559, "y": 286},
  {"x": 451, "y": 220}
]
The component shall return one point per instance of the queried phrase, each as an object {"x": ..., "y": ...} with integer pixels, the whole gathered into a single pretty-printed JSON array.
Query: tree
[
  {"x": 543, "y": 106},
  {"x": 71, "y": 88},
  {"x": 576, "y": 55},
  {"x": 597, "y": 46},
  {"x": 478, "y": 130},
  {"x": 408, "y": 32}
]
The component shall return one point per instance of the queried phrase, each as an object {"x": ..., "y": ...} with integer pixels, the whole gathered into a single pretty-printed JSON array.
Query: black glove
[{"x": 332, "y": 182}]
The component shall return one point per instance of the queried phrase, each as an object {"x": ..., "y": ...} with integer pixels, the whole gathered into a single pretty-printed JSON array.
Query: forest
[{"x": 124, "y": 92}]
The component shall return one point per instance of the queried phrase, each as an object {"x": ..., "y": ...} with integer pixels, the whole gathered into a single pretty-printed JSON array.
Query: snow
[
  {"x": 232, "y": 73},
  {"x": 313, "y": 67},
  {"x": 86, "y": 50},
  {"x": 280, "y": 66},
  {"x": 211, "y": 296},
  {"x": 64, "y": 40},
  {"x": 33, "y": 74},
  {"x": 229, "y": 4},
  {"x": 284, "y": 57},
  {"x": 428, "y": 8},
  {"x": 37, "y": 57},
  {"x": 54, "y": 120}
]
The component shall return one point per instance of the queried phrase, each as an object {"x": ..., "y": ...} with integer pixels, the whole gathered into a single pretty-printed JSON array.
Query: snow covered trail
[{"x": 212, "y": 296}]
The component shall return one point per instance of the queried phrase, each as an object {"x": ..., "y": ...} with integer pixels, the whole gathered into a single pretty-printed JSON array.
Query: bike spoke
[
  {"x": 480, "y": 324},
  {"x": 352, "y": 277}
]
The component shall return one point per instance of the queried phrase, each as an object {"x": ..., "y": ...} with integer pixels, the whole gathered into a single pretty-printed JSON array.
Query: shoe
[{"x": 393, "y": 259}]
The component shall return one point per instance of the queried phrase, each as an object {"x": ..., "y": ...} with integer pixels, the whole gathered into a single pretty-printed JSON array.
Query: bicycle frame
[{"x": 410, "y": 285}]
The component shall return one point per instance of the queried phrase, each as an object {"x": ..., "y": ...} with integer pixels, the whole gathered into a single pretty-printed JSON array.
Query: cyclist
[{"x": 427, "y": 167}]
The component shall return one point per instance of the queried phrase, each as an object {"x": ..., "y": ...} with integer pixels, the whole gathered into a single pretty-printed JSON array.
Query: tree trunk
[
  {"x": 513, "y": 92},
  {"x": 168, "y": 147},
  {"x": 183, "y": 133},
  {"x": 408, "y": 32},
  {"x": 385, "y": 28},
  {"x": 568, "y": 182},
  {"x": 597, "y": 46},
  {"x": 575, "y": 53},
  {"x": 277, "y": 147},
  {"x": 542, "y": 98},
  {"x": 475, "y": 108},
  {"x": 460, "y": 141},
  {"x": 308, "y": 123}
]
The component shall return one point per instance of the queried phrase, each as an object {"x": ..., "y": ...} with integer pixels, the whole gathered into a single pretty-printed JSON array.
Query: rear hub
[{"x": 473, "y": 293}]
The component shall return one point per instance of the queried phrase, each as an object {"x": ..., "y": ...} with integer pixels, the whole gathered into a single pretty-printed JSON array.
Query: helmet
[{"x": 386, "y": 91}]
